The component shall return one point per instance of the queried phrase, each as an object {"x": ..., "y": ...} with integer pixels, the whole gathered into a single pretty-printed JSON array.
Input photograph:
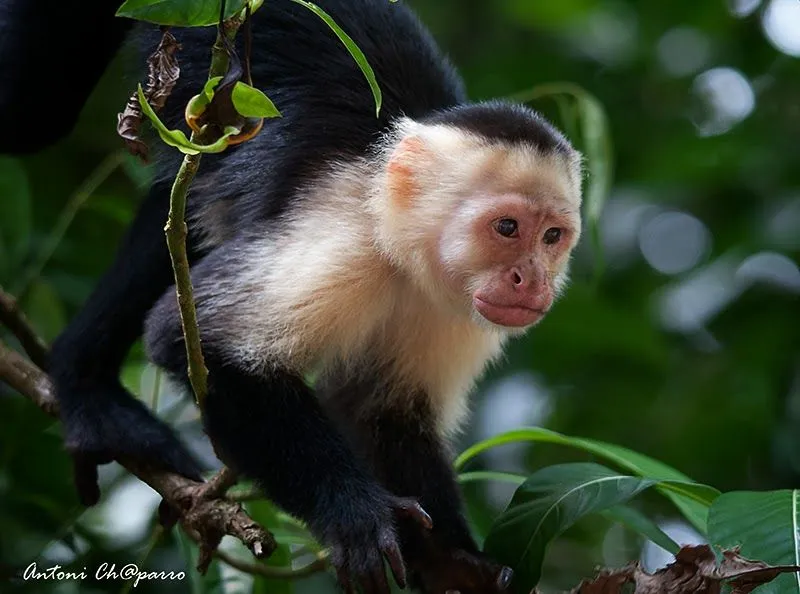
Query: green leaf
[
  {"x": 596, "y": 144},
  {"x": 252, "y": 103},
  {"x": 634, "y": 520},
  {"x": 693, "y": 504},
  {"x": 179, "y": 13},
  {"x": 177, "y": 138},
  {"x": 548, "y": 503},
  {"x": 568, "y": 115},
  {"x": 248, "y": 101},
  {"x": 15, "y": 224},
  {"x": 766, "y": 525},
  {"x": 351, "y": 46}
]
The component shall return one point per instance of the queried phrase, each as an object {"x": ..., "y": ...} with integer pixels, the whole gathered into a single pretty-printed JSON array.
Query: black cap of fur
[{"x": 510, "y": 123}]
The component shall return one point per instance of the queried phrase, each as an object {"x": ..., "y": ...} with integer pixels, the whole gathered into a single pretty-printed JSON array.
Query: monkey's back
[{"x": 327, "y": 107}]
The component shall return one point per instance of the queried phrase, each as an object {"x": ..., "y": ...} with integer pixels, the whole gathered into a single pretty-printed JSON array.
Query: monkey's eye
[
  {"x": 506, "y": 227},
  {"x": 552, "y": 235}
]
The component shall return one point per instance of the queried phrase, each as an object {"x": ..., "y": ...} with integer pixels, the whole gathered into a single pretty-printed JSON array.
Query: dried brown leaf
[
  {"x": 607, "y": 582},
  {"x": 162, "y": 74},
  {"x": 695, "y": 571}
]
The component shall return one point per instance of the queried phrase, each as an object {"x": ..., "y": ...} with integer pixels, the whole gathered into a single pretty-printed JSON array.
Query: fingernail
[
  {"x": 504, "y": 579},
  {"x": 427, "y": 520}
]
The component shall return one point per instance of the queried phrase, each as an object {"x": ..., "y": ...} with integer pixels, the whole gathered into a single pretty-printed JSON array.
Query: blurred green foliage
[{"x": 687, "y": 348}]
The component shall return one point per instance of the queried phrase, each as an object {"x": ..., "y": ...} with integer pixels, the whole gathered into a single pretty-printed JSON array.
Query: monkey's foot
[
  {"x": 361, "y": 534},
  {"x": 107, "y": 423}
]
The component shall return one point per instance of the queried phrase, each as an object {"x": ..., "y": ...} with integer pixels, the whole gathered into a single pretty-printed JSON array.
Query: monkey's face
[
  {"x": 484, "y": 228},
  {"x": 507, "y": 255}
]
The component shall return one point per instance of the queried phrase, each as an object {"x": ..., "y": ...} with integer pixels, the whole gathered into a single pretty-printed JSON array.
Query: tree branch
[
  {"x": 204, "y": 512},
  {"x": 13, "y": 319}
]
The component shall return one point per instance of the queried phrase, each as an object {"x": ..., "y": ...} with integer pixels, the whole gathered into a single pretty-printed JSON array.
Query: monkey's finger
[
  {"x": 85, "y": 476},
  {"x": 410, "y": 508},
  {"x": 380, "y": 585},
  {"x": 392, "y": 553},
  {"x": 343, "y": 577}
]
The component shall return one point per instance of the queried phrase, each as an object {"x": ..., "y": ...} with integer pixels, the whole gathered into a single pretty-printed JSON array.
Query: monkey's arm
[
  {"x": 411, "y": 460},
  {"x": 101, "y": 419}
]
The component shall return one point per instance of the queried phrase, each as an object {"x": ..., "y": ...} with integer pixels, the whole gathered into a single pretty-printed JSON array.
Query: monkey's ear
[{"x": 404, "y": 168}]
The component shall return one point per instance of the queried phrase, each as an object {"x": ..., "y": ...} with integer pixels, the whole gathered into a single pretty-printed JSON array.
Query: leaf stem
[{"x": 317, "y": 565}]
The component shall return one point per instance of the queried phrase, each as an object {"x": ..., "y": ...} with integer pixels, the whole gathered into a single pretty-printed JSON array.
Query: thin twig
[
  {"x": 89, "y": 186},
  {"x": 155, "y": 395},
  {"x": 283, "y": 573},
  {"x": 12, "y": 317},
  {"x": 248, "y": 494},
  {"x": 218, "y": 485}
]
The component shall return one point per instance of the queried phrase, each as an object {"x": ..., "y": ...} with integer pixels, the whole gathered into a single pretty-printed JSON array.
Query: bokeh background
[{"x": 684, "y": 346}]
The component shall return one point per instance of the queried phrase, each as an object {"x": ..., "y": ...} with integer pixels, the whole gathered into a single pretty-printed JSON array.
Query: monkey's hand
[
  {"x": 456, "y": 571},
  {"x": 104, "y": 423},
  {"x": 363, "y": 535}
]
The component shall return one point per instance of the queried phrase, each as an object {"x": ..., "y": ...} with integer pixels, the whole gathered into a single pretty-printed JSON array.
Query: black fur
[
  {"x": 505, "y": 122},
  {"x": 328, "y": 110}
]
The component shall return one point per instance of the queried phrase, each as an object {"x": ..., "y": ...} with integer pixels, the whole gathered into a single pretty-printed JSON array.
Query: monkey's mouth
[{"x": 512, "y": 316}]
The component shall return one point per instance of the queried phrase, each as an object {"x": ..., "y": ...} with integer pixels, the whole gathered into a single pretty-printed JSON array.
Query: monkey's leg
[
  {"x": 101, "y": 419},
  {"x": 411, "y": 460}
]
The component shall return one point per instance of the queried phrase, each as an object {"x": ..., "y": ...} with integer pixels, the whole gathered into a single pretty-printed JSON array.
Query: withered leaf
[
  {"x": 162, "y": 74},
  {"x": 695, "y": 571}
]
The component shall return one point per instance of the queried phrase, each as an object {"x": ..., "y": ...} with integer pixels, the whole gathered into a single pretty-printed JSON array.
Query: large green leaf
[
  {"x": 628, "y": 516},
  {"x": 179, "y": 13},
  {"x": 548, "y": 503},
  {"x": 351, "y": 46},
  {"x": 554, "y": 498},
  {"x": 694, "y": 506},
  {"x": 766, "y": 525}
]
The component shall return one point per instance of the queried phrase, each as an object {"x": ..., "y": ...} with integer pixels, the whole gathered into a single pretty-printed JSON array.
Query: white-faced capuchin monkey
[{"x": 392, "y": 257}]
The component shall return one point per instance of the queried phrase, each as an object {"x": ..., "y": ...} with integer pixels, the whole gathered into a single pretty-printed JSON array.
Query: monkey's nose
[{"x": 516, "y": 277}]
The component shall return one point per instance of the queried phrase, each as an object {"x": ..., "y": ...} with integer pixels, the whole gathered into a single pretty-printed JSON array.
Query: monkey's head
[{"x": 482, "y": 209}]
